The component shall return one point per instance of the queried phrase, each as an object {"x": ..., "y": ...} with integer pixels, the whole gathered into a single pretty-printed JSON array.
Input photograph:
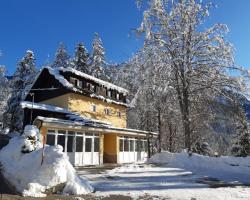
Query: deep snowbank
[
  {"x": 227, "y": 168},
  {"x": 29, "y": 177}
]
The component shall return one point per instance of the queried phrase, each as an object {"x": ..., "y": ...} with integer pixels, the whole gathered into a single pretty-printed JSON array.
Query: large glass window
[
  {"x": 79, "y": 144},
  {"x": 131, "y": 146},
  {"x": 96, "y": 145},
  {"x": 88, "y": 144},
  {"x": 70, "y": 143},
  {"x": 50, "y": 140},
  {"x": 121, "y": 145},
  {"x": 61, "y": 141},
  {"x": 126, "y": 144}
]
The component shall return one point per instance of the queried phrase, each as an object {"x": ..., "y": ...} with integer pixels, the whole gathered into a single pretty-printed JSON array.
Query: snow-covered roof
[
  {"x": 83, "y": 122},
  {"x": 78, "y": 124},
  {"x": 94, "y": 79},
  {"x": 56, "y": 73},
  {"x": 39, "y": 106},
  {"x": 73, "y": 117}
]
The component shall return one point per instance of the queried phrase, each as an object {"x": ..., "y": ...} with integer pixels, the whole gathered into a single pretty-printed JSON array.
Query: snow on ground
[
  {"x": 25, "y": 172},
  {"x": 228, "y": 168},
  {"x": 169, "y": 179}
]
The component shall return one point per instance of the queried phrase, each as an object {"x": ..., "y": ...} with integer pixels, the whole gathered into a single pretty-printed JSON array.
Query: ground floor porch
[{"x": 88, "y": 145}]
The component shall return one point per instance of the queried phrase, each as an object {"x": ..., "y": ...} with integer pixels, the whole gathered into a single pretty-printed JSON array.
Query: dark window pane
[
  {"x": 96, "y": 147},
  {"x": 126, "y": 145},
  {"x": 121, "y": 145},
  {"x": 70, "y": 143},
  {"x": 132, "y": 147},
  {"x": 50, "y": 140},
  {"x": 145, "y": 145},
  {"x": 79, "y": 144},
  {"x": 61, "y": 141},
  {"x": 88, "y": 144},
  {"x": 89, "y": 134}
]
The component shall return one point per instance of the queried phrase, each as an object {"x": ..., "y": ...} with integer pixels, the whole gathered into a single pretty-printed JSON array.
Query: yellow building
[{"x": 86, "y": 115}]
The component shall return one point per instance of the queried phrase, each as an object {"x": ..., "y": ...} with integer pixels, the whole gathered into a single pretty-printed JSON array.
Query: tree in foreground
[
  {"x": 23, "y": 77},
  {"x": 61, "y": 57},
  {"x": 195, "y": 64}
]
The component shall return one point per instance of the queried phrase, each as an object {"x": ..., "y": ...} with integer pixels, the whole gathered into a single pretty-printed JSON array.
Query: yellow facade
[
  {"x": 110, "y": 148},
  {"x": 60, "y": 101},
  {"x": 83, "y": 105}
]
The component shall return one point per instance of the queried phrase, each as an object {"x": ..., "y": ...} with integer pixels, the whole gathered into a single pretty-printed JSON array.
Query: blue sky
[{"x": 41, "y": 24}]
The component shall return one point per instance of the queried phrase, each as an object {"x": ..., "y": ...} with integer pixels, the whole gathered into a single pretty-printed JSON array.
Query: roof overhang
[{"x": 53, "y": 123}]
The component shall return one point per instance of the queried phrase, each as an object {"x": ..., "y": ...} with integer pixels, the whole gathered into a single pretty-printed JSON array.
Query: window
[
  {"x": 50, "y": 140},
  {"x": 117, "y": 96},
  {"x": 107, "y": 111},
  {"x": 109, "y": 93},
  {"x": 61, "y": 141},
  {"x": 79, "y": 143},
  {"x": 119, "y": 114},
  {"x": 126, "y": 144},
  {"x": 121, "y": 144},
  {"x": 131, "y": 145},
  {"x": 75, "y": 82},
  {"x": 70, "y": 143},
  {"x": 93, "y": 107},
  {"x": 96, "y": 144},
  {"x": 88, "y": 144}
]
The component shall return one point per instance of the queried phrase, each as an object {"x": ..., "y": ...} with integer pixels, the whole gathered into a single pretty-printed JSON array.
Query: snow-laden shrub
[
  {"x": 31, "y": 139},
  {"x": 29, "y": 177},
  {"x": 202, "y": 149}
]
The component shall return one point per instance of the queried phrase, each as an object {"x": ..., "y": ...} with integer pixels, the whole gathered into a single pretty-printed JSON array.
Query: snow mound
[
  {"x": 227, "y": 168},
  {"x": 29, "y": 177}
]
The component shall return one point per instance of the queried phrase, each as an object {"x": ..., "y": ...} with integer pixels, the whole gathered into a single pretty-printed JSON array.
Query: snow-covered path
[{"x": 160, "y": 181}]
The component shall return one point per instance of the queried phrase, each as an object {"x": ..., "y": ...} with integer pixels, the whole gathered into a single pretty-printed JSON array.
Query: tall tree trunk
[{"x": 159, "y": 130}]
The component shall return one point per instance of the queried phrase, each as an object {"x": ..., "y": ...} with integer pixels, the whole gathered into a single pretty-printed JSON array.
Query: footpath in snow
[{"x": 176, "y": 176}]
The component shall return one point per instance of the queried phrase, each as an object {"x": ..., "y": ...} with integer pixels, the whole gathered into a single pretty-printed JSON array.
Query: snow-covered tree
[
  {"x": 241, "y": 144},
  {"x": 61, "y": 57},
  {"x": 4, "y": 91},
  {"x": 81, "y": 59},
  {"x": 98, "y": 58},
  {"x": 196, "y": 60},
  {"x": 22, "y": 78}
]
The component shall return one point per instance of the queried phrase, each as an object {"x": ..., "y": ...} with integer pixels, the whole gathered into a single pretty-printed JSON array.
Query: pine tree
[
  {"x": 4, "y": 91},
  {"x": 98, "y": 58},
  {"x": 61, "y": 57},
  {"x": 241, "y": 146},
  {"x": 81, "y": 59},
  {"x": 22, "y": 78}
]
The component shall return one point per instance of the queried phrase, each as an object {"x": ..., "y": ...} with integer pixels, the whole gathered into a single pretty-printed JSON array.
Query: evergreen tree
[
  {"x": 22, "y": 78},
  {"x": 61, "y": 57},
  {"x": 4, "y": 91},
  {"x": 81, "y": 59},
  {"x": 98, "y": 58},
  {"x": 241, "y": 146}
]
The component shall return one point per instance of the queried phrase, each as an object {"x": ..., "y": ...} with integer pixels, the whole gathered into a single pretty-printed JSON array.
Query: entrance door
[{"x": 91, "y": 154}]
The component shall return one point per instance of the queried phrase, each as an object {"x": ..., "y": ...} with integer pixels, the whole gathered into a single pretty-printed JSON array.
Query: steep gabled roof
[{"x": 57, "y": 74}]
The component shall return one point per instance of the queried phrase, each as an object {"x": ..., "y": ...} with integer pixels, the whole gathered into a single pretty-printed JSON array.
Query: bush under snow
[
  {"x": 29, "y": 177},
  {"x": 227, "y": 168}
]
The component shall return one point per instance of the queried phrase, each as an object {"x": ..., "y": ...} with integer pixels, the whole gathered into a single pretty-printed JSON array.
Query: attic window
[
  {"x": 109, "y": 93},
  {"x": 76, "y": 82}
]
